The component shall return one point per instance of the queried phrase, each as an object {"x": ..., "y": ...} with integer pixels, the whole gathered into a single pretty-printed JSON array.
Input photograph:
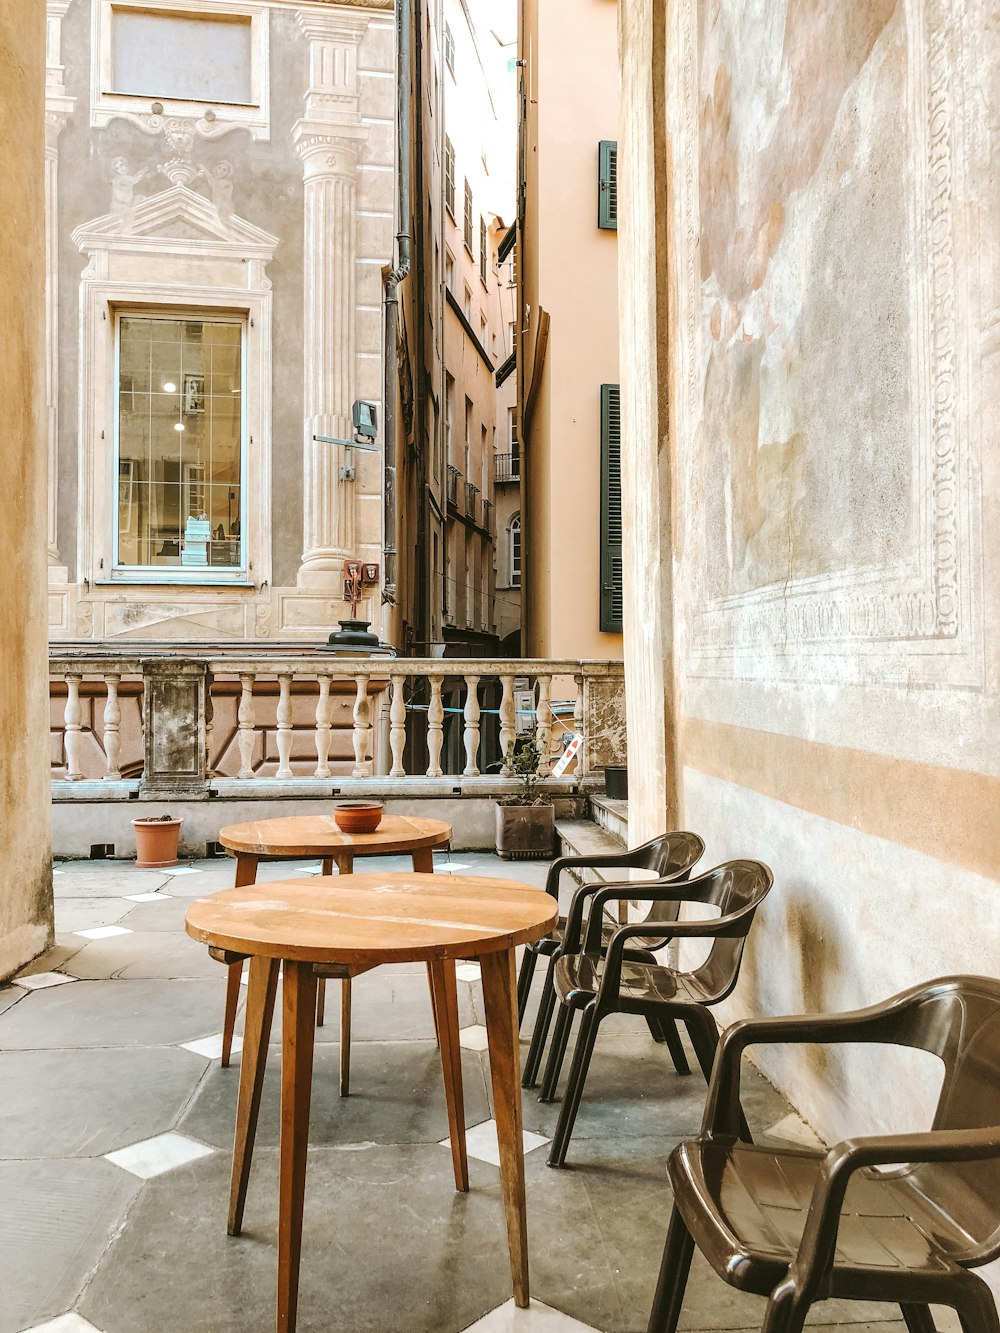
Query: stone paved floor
[{"x": 116, "y": 1125}]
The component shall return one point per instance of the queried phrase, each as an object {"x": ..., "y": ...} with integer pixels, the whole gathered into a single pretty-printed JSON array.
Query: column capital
[{"x": 328, "y": 147}]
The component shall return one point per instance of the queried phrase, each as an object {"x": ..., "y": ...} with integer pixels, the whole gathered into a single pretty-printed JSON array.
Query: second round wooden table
[{"x": 293, "y": 836}]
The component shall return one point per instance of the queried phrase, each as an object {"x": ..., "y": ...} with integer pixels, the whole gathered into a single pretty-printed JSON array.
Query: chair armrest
[
  {"x": 673, "y": 889},
  {"x": 879, "y": 1023},
  {"x": 594, "y": 861},
  {"x": 575, "y": 917},
  {"x": 811, "y": 1266}
]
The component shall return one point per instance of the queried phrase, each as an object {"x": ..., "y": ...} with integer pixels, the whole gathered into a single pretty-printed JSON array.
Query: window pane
[
  {"x": 190, "y": 57},
  {"x": 180, "y": 443}
]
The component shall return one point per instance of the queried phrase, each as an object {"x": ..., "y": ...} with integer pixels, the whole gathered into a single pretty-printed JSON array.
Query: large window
[
  {"x": 179, "y": 457},
  {"x": 514, "y": 551},
  {"x": 467, "y": 218}
]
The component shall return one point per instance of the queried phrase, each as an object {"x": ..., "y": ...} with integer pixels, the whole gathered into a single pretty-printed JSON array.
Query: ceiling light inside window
[{"x": 169, "y": 387}]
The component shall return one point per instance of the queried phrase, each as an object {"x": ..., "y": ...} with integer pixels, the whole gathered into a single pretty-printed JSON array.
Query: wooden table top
[
  {"x": 404, "y": 917},
  {"x": 312, "y": 835}
]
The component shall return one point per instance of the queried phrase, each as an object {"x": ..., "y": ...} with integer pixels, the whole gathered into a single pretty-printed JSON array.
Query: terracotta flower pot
[
  {"x": 156, "y": 841},
  {"x": 358, "y": 816}
]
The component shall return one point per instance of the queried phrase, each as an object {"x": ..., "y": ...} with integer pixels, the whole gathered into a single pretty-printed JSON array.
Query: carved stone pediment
[{"x": 175, "y": 218}]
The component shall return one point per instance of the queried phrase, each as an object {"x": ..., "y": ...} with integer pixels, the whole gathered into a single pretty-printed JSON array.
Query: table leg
[
  {"x": 345, "y": 1036},
  {"x": 445, "y": 993},
  {"x": 246, "y": 873},
  {"x": 423, "y": 860},
  {"x": 298, "y": 1013},
  {"x": 500, "y": 1001},
  {"x": 260, "y": 1007},
  {"x": 326, "y": 869}
]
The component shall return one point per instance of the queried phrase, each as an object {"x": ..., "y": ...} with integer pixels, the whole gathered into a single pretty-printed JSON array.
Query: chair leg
[
  {"x": 557, "y": 1054},
  {"x": 785, "y": 1314},
  {"x": 705, "y": 1038},
  {"x": 918, "y": 1318},
  {"x": 670, "y": 1285},
  {"x": 320, "y": 1001},
  {"x": 574, "y": 1088},
  {"x": 235, "y": 972},
  {"x": 655, "y": 1030},
  {"x": 543, "y": 1020},
  {"x": 674, "y": 1045},
  {"x": 976, "y": 1307},
  {"x": 524, "y": 977}
]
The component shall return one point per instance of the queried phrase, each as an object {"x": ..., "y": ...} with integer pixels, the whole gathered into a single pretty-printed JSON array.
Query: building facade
[
  {"x": 454, "y": 329},
  {"x": 567, "y": 328},
  {"x": 809, "y": 218},
  {"x": 220, "y": 205}
]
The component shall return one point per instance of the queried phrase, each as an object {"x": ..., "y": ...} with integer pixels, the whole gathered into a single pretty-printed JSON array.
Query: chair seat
[
  {"x": 746, "y": 1208},
  {"x": 578, "y": 978}
]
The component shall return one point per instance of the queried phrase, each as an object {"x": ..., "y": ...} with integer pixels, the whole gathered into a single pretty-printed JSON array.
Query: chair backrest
[
  {"x": 736, "y": 888},
  {"x": 958, "y": 1019},
  {"x": 671, "y": 855}
]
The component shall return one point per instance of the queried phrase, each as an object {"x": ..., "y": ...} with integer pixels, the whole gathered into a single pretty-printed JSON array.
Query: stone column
[
  {"x": 25, "y": 865},
  {"x": 328, "y": 140},
  {"x": 58, "y": 108}
]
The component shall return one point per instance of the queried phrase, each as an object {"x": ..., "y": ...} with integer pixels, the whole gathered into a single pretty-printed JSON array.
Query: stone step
[
  {"x": 612, "y": 816},
  {"x": 582, "y": 837}
]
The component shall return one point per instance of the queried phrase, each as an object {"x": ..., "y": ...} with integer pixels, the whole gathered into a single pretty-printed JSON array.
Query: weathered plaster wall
[
  {"x": 25, "y": 873},
  {"x": 832, "y": 299}
]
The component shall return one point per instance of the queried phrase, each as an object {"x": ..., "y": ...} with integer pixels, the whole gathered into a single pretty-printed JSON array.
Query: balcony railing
[
  {"x": 157, "y": 722},
  {"x": 454, "y": 477},
  {"x": 488, "y": 517},
  {"x": 471, "y": 491},
  {"x": 507, "y": 467}
]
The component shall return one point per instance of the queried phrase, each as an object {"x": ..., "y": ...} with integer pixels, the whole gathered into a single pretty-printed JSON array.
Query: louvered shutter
[
  {"x": 607, "y": 183},
  {"x": 611, "y": 510}
]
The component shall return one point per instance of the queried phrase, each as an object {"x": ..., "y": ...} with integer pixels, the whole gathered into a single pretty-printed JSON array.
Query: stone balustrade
[{"x": 255, "y": 722}]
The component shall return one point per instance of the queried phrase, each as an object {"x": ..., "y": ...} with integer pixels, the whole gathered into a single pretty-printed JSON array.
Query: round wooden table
[
  {"x": 294, "y": 836},
  {"x": 363, "y": 921}
]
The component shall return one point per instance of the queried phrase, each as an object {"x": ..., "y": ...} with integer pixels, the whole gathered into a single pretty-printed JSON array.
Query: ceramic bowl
[{"x": 358, "y": 816}]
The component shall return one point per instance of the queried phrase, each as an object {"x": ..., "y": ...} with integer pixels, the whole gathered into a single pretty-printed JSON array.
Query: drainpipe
[{"x": 390, "y": 296}]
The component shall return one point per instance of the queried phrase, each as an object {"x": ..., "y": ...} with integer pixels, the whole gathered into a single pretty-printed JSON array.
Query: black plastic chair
[
  {"x": 801, "y": 1226},
  {"x": 669, "y": 857},
  {"x": 600, "y": 983}
]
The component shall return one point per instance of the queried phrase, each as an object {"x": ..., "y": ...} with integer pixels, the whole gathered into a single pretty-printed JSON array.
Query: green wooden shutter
[
  {"x": 607, "y": 184},
  {"x": 611, "y": 510}
]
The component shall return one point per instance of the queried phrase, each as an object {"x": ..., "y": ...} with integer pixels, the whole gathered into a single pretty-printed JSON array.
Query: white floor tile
[
  {"x": 179, "y": 870},
  {"x": 468, "y": 972},
  {"x": 481, "y": 1142},
  {"x": 538, "y": 1318},
  {"x": 66, "y": 1323},
  {"x": 103, "y": 932},
  {"x": 474, "y": 1038},
  {"x": 42, "y": 980},
  {"x": 211, "y": 1047},
  {"x": 148, "y": 897},
  {"x": 152, "y": 1157}
]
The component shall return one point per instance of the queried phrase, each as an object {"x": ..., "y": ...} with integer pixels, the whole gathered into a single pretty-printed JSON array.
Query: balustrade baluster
[
  {"x": 323, "y": 726},
  {"x": 362, "y": 728},
  {"x": 112, "y": 729},
  {"x": 245, "y": 717},
  {"x": 435, "y": 729},
  {"x": 581, "y": 754},
  {"x": 508, "y": 720},
  {"x": 72, "y": 728},
  {"x": 543, "y": 725},
  {"x": 209, "y": 726},
  {"x": 284, "y": 719},
  {"x": 471, "y": 769},
  {"x": 397, "y": 728}
]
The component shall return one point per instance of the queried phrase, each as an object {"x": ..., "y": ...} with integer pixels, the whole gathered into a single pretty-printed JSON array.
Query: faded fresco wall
[
  {"x": 25, "y": 869},
  {"x": 829, "y": 330}
]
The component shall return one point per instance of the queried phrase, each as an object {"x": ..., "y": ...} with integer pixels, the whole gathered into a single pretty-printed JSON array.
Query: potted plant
[
  {"x": 526, "y": 820},
  {"x": 156, "y": 839}
]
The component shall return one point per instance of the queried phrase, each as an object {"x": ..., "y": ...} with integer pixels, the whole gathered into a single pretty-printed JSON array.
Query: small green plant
[{"x": 521, "y": 761}]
